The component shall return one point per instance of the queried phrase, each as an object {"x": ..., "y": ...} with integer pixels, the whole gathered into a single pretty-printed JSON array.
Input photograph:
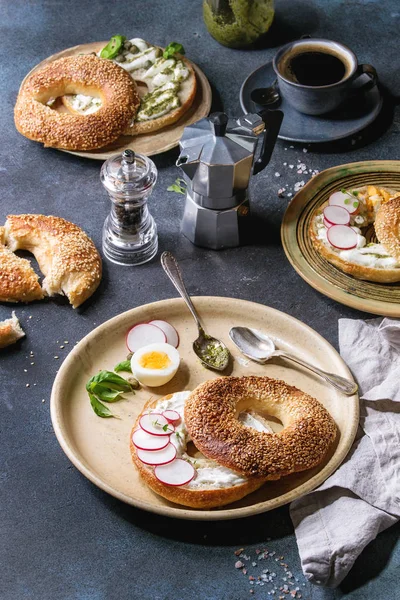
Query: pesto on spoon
[{"x": 212, "y": 352}]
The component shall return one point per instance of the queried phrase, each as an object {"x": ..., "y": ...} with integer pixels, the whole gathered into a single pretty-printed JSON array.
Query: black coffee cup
[{"x": 316, "y": 75}]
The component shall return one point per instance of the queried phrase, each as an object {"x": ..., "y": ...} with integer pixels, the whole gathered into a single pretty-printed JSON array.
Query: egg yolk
[{"x": 154, "y": 360}]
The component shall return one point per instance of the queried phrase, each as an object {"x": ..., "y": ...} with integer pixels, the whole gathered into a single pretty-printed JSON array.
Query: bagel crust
[
  {"x": 65, "y": 254},
  {"x": 10, "y": 331},
  {"x": 211, "y": 419},
  {"x": 387, "y": 226},
  {"x": 84, "y": 74},
  {"x": 18, "y": 281}
]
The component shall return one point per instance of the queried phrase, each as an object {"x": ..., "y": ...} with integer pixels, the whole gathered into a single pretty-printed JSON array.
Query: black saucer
[{"x": 296, "y": 127}]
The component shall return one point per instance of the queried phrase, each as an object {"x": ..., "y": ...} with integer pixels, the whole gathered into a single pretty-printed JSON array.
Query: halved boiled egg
[{"x": 155, "y": 364}]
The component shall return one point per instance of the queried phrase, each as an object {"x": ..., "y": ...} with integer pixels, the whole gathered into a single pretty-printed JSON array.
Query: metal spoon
[
  {"x": 262, "y": 348},
  {"x": 266, "y": 96},
  {"x": 212, "y": 352}
]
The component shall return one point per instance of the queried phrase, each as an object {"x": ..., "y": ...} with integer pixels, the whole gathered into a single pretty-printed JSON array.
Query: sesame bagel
[
  {"x": 65, "y": 254},
  {"x": 211, "y": 419},
  {"x": 85, "y": 74},
  {"x": 387, "y": 226},
  {"x": 213, "y": 484}
]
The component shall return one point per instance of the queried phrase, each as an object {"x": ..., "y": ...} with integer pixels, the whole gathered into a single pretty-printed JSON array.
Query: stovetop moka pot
[{"x": 217, "y": 159}]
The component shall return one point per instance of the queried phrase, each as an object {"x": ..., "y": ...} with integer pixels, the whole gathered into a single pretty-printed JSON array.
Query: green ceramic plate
[{"x": 376, "y": 298}]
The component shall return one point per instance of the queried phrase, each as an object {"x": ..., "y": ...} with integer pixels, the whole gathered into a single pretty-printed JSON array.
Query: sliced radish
[
  {"x": 172, "y": 416},
  {"x": 344, "y": 200},
  {"x": 170, "y": 332},
  {"x": 177, "y": 472},
  {"x": 157, "y": 457},
  {"x": 342, "y": 237},
  {"x": 336, "y": 215},
  {"x": 327, "y": 224},
  {"x": 146, "y": 441},
  {"x": 143, "y": 334},
  {"x": 156, "y": 424}
]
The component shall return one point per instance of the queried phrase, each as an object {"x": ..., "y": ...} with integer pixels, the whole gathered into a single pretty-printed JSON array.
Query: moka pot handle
[{"x": 273, "y": 120}]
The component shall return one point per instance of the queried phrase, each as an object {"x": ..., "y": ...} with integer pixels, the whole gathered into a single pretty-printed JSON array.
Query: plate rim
[
  {"x": 303, "y": 268},
  {"x": 202, "y": 82},
  {"x": 187, "y": 513},
  {"x": 298, "y": 140}
]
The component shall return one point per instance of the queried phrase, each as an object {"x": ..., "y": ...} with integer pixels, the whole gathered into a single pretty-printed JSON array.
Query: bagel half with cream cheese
[
  {"x": 378, "y": 262},
  {"x": 170, "y": 84},
  {"x": 213, "y": 485}
]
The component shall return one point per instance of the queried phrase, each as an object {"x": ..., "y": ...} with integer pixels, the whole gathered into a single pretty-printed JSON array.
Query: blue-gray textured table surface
[{"x": 62, "y": 538}]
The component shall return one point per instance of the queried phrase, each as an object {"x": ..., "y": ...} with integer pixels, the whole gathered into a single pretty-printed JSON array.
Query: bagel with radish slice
[
  {"x": 341, "y": 239},
  {"x": 188, "y": 479},
  {"x": 219, "y": 450}
]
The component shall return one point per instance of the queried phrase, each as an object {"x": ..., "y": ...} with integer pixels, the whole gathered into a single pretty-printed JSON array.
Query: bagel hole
[
  {"x": 269, "y": 421},
  {"x": 34, "y": 264},
  {"x": 60, "y": 107}
]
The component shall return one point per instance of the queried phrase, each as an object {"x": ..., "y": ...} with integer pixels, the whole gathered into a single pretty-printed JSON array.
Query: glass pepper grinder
[{"x": 129, "y": 232}]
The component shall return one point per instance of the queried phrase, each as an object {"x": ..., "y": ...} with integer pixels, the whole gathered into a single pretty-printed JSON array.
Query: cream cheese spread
[
  {"x": 144, "y": 62},
  {"x": 85, "y": 104},
  {"x": 368, "y": 255},
  {"x": 209, "y": 474}
]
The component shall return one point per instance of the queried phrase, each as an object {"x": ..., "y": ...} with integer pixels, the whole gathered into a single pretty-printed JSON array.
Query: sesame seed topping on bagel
[
  {"x": 85, "y": 74},
  {"x": 211, "y": 419}
]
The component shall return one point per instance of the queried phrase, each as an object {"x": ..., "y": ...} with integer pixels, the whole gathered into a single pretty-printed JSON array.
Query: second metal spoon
[
  {"x": 212, "y": 352},
  {"x": 261, "y": 349}
]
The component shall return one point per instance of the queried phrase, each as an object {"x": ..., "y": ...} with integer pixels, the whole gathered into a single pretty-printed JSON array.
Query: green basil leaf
[
  {"x": 179, "y": 186},
  {"x": 112, "y": 380},
  {"x": 176, "y": 188},
  {"x": 125, "y": 365},
  {"x": 99, "y": 408},
  {"x": 105, "y": 393},
  {"x": 173, "y": 48}
]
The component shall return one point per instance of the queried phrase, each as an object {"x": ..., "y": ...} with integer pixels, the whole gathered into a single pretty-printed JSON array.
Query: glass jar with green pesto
[{"x": 238, "y": 23}]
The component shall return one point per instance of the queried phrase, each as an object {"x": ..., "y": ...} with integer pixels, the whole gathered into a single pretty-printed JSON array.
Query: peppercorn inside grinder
[
  {"x": 217, "y": 157},
  {"x": 129, "y": 232}
]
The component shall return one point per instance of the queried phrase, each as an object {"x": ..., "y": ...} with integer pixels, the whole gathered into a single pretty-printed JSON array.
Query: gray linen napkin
[{"x": 334, "y": 523}]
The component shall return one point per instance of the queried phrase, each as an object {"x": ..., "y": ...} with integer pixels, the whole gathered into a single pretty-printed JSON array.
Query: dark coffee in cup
[
  {"x": 316, "y": 75},
  {"x": 314, "y": 67}
]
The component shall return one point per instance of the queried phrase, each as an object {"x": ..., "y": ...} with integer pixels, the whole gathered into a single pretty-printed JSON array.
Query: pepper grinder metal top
[{"x": 129, "y": 232}]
